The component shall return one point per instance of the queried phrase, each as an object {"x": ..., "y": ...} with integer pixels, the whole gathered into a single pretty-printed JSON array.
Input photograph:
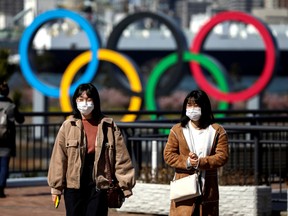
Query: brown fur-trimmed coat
[{"x": 175, "y": 155}]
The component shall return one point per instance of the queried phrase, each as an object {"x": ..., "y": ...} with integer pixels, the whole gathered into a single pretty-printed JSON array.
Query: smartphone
[{"x": 57, "y": 201}]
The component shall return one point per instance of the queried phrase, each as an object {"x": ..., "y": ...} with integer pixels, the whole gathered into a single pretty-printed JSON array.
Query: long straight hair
[
  {"x": 203, "y": 101},
  {"x": 91, "y": 92}
]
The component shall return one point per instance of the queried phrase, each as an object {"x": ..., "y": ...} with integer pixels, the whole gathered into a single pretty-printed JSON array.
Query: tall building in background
[
  {"x": 72, "y": 4},
  {"x": 273, "y": 12},
  {"x": 8, "y": 9},
  {"x": 186, "y": 8},
  {"x": 35, "y": 7},
  {"x": 276, "y": 3},
  {"x": 244, "y": 5}
]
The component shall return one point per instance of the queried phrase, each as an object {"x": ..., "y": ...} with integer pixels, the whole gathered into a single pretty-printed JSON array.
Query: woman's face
[
  {"x": 85, "y": 105},
  {"x": 193, "y": 110}
]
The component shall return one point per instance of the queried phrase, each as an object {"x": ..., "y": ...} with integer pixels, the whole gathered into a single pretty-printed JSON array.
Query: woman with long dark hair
[
  {"x": 78, "y": 166},
  {"x": 197, "y": 144}
]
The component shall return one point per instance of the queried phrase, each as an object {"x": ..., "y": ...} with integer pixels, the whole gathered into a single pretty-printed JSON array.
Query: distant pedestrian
[
  {"x": 78, "y": 166},
  {"x": 197, "y": 144},
  {"x": 9, "y": 113}
]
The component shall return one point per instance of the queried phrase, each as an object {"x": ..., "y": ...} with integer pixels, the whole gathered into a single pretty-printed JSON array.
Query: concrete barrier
[{"x": 234, "y": 200}]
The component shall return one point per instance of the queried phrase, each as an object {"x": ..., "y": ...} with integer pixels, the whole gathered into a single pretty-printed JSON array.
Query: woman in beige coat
[
  {"x": 78, "y": 166},
  {"x": 197, "y": 144}
]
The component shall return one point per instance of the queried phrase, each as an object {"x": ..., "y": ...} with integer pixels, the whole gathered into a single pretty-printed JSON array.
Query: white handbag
[{"x": 185, "y": 188}]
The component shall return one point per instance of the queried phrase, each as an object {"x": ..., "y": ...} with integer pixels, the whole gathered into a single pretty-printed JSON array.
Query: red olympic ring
[{"x": 270, "y": 55}]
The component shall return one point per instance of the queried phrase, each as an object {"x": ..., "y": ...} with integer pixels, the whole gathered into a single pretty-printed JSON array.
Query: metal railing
[
  {"x": 258, "y": 154},
  {"x": 258, "y": 149}
]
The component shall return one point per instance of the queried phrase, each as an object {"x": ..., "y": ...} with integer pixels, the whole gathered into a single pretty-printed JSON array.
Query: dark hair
[
  {"x": 4, "y": 89},
  {"x": 203, "y": 101},
  {"x": 91, "y": 92}
]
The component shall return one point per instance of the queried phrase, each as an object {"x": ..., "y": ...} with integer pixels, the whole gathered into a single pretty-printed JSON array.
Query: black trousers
[{"x": 86, "y": 201}]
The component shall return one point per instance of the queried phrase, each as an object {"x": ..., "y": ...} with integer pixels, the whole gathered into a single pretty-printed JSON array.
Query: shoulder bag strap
[
  {"x": 109, "y": 173},
  {"x": 109, "y": 167}
]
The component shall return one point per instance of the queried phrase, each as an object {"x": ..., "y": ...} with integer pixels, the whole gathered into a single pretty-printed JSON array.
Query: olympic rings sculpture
[{"x": 194, "y": 57}]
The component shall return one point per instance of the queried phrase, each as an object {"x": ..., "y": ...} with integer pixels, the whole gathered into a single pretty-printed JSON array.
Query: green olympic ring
[{"x": 208, "y": 63}]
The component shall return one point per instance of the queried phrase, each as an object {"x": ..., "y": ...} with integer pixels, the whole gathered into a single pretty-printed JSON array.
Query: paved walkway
[{"x": 34, "y": 201}]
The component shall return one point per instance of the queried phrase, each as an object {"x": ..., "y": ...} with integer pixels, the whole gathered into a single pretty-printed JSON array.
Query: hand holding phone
[{"x": 57, "y": 201}]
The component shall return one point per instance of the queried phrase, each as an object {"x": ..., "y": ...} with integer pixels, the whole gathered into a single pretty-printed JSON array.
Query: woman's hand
[
  {"x": 54, "y": 197},
  {"x": 56, "y": 200},
  {"x": 127, "y": 196},
  {"x": 193, "y": 159},
  {"x": 193, "y": 155}
]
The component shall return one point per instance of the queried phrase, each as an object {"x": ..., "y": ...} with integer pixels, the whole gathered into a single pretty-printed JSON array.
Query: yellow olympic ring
[{"x": 106, "y": 55}]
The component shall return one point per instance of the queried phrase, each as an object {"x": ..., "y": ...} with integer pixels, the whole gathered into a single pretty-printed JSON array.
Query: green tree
[{"x": 6, "y": 69}]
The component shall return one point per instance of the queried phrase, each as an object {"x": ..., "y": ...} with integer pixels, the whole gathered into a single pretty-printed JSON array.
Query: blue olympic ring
[{"x": 30, "y": 32}]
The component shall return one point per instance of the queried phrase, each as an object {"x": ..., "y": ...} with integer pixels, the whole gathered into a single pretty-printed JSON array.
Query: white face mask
[
  {"x": 85, "y": 108},
  {"x": 194, "y": 113}
]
